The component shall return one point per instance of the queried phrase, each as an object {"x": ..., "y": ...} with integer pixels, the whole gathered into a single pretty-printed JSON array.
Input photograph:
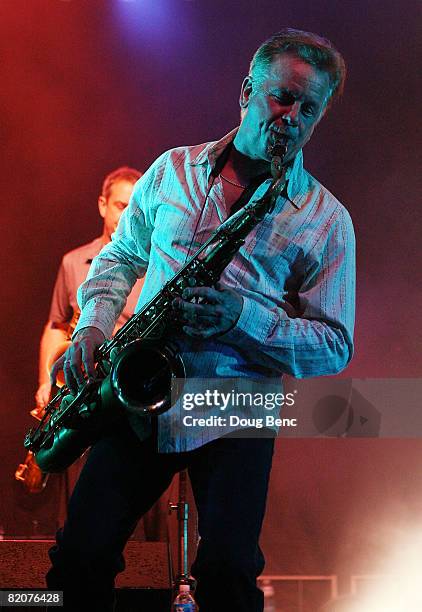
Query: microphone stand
[{"x": 182, "y": 508}]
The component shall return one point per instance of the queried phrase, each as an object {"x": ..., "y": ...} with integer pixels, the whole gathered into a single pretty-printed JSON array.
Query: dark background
[{"x": 88, "y": 86}]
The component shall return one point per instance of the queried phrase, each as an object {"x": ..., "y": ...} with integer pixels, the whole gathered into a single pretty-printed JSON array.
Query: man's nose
[{"x": 291, "y": 116}]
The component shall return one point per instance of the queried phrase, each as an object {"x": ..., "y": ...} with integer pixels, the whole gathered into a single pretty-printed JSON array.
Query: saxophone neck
[
  {"x": 265, "y": 204},
  {"x": 278, "y": 173}
]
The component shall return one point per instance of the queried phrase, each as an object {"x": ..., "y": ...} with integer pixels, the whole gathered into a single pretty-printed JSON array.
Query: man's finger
[
  {"x": 88, "y": 360},
  {"x": 202, "y": 311},
  {"x": 75, "y": 368},
  {"x": 57, "y": 367},
  {"x": 69, "y": 377},
  {"x": 209, "y": 294},
  {"x": 43, "y": 395}
]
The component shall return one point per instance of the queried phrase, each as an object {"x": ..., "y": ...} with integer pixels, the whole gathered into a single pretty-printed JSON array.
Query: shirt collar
[
  {"x": 295, "y": 174},
  {"x": 211, "y": 151}
]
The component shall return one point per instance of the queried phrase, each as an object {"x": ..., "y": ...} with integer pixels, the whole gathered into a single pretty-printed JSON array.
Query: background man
[
  {"x": 115, "y": 193},
  {"x": 285, "y": 304}
]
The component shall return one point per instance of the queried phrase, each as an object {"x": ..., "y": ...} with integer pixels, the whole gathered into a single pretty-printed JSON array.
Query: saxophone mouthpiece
[
  {"x": 279, "y": 148},
  {"x": 278, "y": 152}
]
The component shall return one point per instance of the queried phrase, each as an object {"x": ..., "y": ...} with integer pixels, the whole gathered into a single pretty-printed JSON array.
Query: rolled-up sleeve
[
  {"x": 120, "y": 263},
  {"x": 61, "y": 308}
]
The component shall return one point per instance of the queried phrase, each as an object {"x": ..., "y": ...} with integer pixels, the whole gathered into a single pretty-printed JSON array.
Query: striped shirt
[{"x": 296, "y": 273}]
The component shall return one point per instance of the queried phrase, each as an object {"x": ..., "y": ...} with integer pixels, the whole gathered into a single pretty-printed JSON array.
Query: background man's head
[{"x": 115, "y": 194}]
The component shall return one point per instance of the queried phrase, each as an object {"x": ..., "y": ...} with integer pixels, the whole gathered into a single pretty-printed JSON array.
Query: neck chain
[{"x": 232, "y": 182}]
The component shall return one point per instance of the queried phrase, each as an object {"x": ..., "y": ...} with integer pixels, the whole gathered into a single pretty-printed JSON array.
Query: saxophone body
[{"x": 138, "y": 371}]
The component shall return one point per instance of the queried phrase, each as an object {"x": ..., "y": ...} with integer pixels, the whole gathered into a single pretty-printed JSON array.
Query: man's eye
[
  {"x": 285, "y": 99},
  {"x": 307, "y": 110}
]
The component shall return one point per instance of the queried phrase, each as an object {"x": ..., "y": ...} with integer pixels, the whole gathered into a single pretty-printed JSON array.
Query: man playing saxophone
[{"x": 284, "y": 304}]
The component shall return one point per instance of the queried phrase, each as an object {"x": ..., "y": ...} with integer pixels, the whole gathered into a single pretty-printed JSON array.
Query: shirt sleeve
[
  {"x": 61, "y": 309},
  {"x": 314, "y": 338},
  {"x": 121, "y": 262}
]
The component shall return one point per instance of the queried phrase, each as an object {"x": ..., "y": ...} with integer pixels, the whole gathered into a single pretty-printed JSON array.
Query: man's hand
[
  {"x": 43, "y": 394},
  {"x": 216, "y": 313},
  {"x": 77, "y": 362}
]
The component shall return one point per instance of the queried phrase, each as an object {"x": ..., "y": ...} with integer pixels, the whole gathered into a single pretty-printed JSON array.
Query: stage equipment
[
  {"x": 182, "y": 509},
  {"x": 145, "y": 583}
]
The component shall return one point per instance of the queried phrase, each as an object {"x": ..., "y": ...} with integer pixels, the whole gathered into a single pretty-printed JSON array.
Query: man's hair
[
  {"x": 310, "y": 48},
  {"x": 121, "y": 174}
]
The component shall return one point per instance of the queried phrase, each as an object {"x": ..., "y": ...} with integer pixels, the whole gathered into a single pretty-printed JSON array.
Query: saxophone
[{"x": 72, "y": 423}]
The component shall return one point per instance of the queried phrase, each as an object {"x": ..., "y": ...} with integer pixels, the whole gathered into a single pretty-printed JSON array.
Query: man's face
[
  {"x": 112, "y": 207},
  {"x": 289, "y": 98}
]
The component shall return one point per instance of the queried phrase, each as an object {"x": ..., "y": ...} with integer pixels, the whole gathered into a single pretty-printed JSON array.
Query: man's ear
[
  {"x": 102, "y": 205},
  {"x": 245, "y": 92}
]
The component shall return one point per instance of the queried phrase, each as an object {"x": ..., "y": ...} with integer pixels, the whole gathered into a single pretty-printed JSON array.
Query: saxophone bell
[{"x": 144, "y": 378}]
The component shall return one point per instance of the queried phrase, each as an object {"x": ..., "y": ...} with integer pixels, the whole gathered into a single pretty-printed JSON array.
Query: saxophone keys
[
  {"x": 113, "y": 356},
  {"x": 84, "y": 411}
]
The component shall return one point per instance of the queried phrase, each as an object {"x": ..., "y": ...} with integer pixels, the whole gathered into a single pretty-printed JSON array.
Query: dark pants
[{"x": 121, "y": 480}]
